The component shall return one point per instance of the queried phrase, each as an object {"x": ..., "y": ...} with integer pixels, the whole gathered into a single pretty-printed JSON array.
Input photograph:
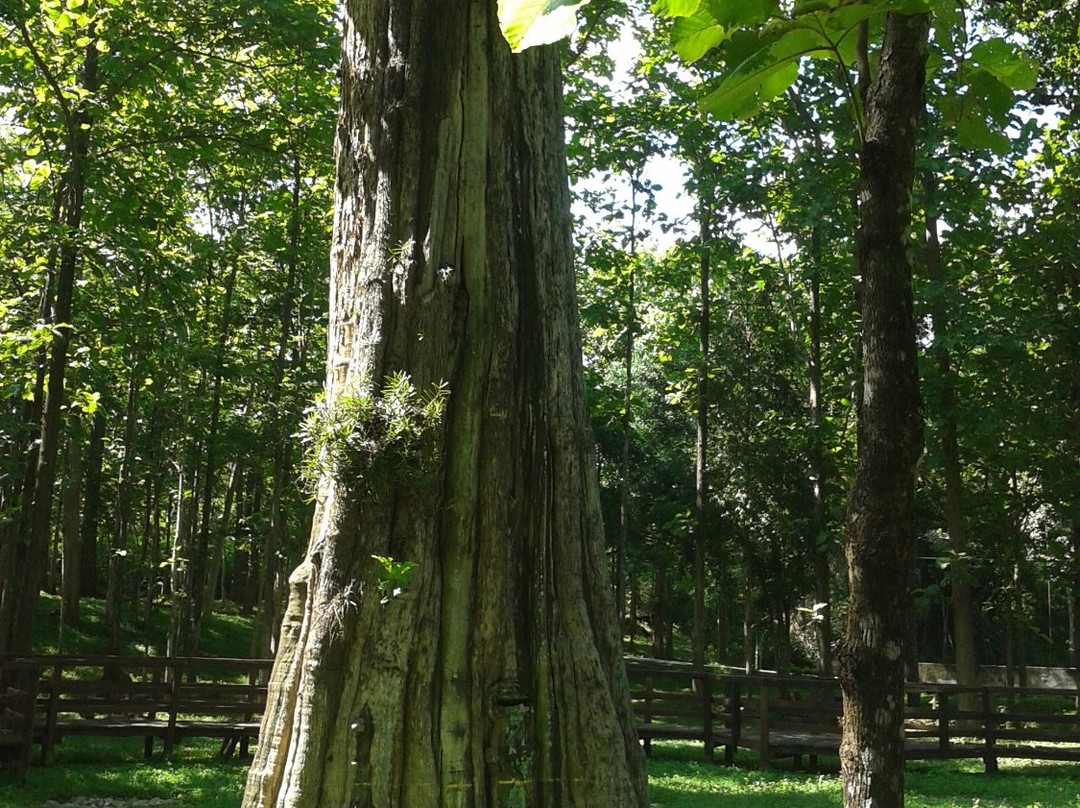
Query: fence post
[
  {"x": 52, "y": 709},
  {"x": 706, "y": 715},
  {"x": 174, "y": 699},
  {"x": 734, "y": 705},
  {"x": 990, "y": 722},
  {"x": 763, "y": 731},
  {"x": 943, "y": 719}
]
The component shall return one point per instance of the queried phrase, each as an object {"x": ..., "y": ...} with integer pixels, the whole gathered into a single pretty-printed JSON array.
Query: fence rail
[
  {"x": 164, "y": 698},
  {"x": 792, "y": 716},
  {"x": 44, "y": 699}
]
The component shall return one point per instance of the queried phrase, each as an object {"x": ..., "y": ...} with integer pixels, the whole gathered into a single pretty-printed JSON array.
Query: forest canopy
[{"x": 164, "y": 225}]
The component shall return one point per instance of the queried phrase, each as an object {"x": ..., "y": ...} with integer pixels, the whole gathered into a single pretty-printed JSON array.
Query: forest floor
[{"x": 112, "y": 774}]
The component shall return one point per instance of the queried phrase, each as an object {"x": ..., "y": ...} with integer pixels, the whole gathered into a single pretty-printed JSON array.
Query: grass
[
  {"x": 678, "y": 778},
  {"x": 193, "y": 775},
  {"x": 197, "y": 778}
]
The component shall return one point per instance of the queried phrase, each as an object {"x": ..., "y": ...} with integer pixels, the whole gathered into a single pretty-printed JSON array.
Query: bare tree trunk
[
  {"x": 118, "y": 549},
  {"x": 91, "y": 512},
  {"x": 70, "y": 500},
  {"x": 15, "y": 634},
  {"x": 879, "y": 520},
  {"x": 627, "y": 419},
  {"x": 217, "y": 550},
  {"x": 179, "y": 562},
  {"x": 963, "y": 607},
  {"x": 822, "y": 542},
  {"x": 495, "y": 676},
  {"x": 701, "y": 448},
  {"x": 199, "y": 561}
]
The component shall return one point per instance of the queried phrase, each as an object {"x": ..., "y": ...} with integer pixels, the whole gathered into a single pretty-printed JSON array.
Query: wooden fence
[
  {"x": 48, "y": 698},
  {"x": 792, "y": 716},
  {"x": 164, "y": 698}
]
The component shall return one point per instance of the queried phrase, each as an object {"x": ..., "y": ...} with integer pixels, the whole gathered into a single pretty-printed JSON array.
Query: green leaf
[
  {"x": 692, "y": 37},
  {"x": 973, "y": 132},
  {"x": 1015, "y": 69},
  {"x": 763, "y": 76},
  {"x": 526, "y": 23},
  {"x": 742, "y": 13},
  {"x": 675, "y": 8}
]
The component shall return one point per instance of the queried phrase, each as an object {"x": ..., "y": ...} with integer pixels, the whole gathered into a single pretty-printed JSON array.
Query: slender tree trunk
[
  {"x": 118, "y": 548},
  {"x": 199, "y": 562},
  {"x": 70, "y": 499},
  {"x": 217, "y": 551},
  {"x": 15, "y": 637},
  {"x": 963, "y": 607},
  {"x": 659, "y": 609},
  {"x": 269, "y": 616},
  {"x": 748, "y": 644},
  {"x": 91, "y": 512},
  {"x": 879, "y": 521},
  {"x": 179, "y": 562},
  {"x": 496, "y": 676},
  {"x": 627, "y": 419},
  {"x": 701, "y": 491},
  {"x": 822, "y": 542}
]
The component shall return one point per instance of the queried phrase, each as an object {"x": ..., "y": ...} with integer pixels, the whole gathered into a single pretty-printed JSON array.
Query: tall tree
[
  {"x": 879, "y": 519},
  {"x": 879, "y": 532},
  {"x": 490, "y": 672}
]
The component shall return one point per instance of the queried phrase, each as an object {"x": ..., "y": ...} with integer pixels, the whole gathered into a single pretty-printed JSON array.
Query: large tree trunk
[
  {"x": 879, "y": 520},
  {"x": 495, "y": 677}
]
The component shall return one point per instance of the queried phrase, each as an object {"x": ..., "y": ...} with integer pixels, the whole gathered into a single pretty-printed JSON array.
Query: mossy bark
[{"x": 495, "y": 678}]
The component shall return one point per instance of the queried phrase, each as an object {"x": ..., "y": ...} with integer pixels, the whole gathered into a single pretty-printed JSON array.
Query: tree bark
[
  {"x": 495, "y": 677},
  {"x": 879, "y": 520}
]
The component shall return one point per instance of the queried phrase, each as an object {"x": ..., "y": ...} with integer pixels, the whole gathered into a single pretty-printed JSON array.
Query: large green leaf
[
  {"x": 675, "y": 8},
  {"x": 764, "y": 75},
  {"x": 1011, "y": 66},
  {"x": 526, "y": 23},
  {"x": 694, "y": 36},
  {"x": 742, "y": 13}
]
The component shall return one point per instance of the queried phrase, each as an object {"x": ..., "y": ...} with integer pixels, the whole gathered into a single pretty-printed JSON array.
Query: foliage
[{"x": 366, "y": 438}]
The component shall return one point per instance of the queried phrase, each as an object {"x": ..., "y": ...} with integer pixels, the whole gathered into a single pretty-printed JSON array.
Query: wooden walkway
[{"x": 166, "y": 699}]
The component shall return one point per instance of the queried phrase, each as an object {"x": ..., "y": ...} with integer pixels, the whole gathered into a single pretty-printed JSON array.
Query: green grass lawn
[
  {"x": 197, "y": 778},
  {"x": 678, "y": 778}
]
